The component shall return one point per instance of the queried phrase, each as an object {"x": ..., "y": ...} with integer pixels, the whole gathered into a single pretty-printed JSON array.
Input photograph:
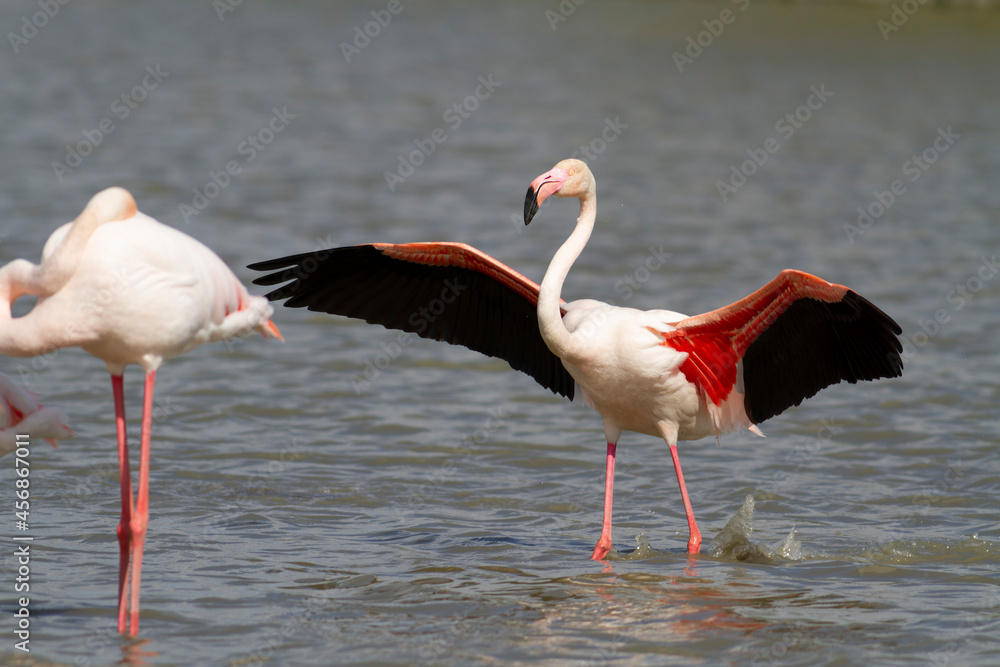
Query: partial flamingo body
[
  {"x": 655, "y": 372},
  {"x": 128, "y": 290},
  {"x": 22, "y": 414}
]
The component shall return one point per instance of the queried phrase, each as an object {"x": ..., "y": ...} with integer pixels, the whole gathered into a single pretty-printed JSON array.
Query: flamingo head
[
  {"x": 113, "y": 204},
  {"x": 569, "y": 178}
]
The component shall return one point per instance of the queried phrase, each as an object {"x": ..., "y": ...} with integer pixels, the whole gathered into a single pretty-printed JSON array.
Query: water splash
[
  {"x": 642, "y": 549},
  {"x": 734, "y": 543},
  {"x": 790, "y": 548}
]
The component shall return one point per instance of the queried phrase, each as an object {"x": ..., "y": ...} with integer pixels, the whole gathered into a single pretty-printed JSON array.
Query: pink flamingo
[
  {"x": 21, "y": 413},
  {"x": 655, "y": 372},
  {"x": 128, "y": 290}
]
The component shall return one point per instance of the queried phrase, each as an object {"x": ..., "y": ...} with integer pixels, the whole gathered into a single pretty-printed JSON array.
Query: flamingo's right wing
[
  {"x": 795, "y": 335},
  {"x": 442, "y": 291}
]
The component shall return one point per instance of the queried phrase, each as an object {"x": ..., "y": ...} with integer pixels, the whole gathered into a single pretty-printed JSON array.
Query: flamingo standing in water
[
  {"x": 22, "y": 414},
  {"x": 655, "y": 372},
  {"x": 128, "y": 290}
]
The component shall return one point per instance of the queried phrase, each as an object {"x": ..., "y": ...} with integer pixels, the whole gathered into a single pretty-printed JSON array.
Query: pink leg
[
  {"x": 140, "y": 519},
  {"x": 604, "y": 544},
  {"x": 125, "y": 477},
  {"x": 694, "y": 541}
]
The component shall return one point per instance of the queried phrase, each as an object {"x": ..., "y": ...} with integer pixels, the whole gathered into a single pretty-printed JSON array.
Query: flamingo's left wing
[
  {"x": 795, "y": 336},
  {"x": 443, "y": 291}
]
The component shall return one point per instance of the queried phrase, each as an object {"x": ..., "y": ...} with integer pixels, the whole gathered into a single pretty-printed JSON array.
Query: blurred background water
[{"x": 356, "y": 497}]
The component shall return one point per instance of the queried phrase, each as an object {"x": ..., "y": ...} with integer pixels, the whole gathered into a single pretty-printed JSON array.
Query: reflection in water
[{"x": 133, "y": 653}]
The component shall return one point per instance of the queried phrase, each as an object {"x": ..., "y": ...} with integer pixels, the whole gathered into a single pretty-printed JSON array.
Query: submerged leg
[
  {"x": 604, "y": 544},
  {"x": 140, "y": 519},
  {"x": 694, "y": 541},
  {"x": 125, "y": 478}
]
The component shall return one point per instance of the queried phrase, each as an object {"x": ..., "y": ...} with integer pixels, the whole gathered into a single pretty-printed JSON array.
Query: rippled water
[{"x": 441, "y": 509}]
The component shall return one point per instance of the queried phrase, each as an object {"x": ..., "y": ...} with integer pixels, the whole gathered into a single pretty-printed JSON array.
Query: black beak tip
[{"x": 530, "y": 205}]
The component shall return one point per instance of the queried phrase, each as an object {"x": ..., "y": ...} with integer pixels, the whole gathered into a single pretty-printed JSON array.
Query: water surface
[{"x": 443, "y": 513}]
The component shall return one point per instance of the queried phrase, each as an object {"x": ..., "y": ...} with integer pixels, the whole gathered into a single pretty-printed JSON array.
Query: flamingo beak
[
  {"x": 271, "y": 331},
  {"x": 540, "y": 189},
  {"x": 530, "y": 205}
]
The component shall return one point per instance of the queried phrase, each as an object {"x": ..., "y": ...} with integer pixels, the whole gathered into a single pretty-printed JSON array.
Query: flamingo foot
[
  {"x": 694, "y": 543},
  {"x": 602, "y": 549}
]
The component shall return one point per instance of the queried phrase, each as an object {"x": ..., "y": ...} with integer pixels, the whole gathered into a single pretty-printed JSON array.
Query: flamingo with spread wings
[
  {"x": 655, "y": 372},
  {"x": 128, "y": 290}
]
